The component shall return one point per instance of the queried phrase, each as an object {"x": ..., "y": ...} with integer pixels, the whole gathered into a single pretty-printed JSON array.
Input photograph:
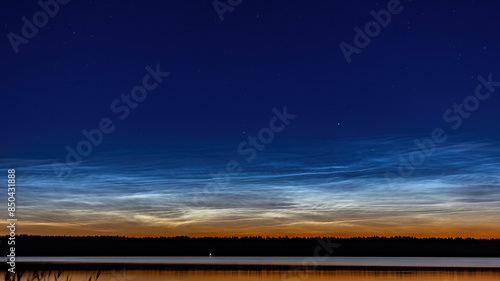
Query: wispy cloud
[{"x": 297, "y": 188}]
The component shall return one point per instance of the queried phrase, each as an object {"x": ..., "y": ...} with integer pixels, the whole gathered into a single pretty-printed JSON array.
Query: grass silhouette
[{"x": 46, "y": 276}]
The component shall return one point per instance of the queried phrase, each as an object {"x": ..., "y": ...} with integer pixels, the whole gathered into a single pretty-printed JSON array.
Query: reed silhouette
[{"x": 40, "y": 275}]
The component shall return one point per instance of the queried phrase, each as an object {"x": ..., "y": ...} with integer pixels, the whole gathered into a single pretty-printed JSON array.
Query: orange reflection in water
[{"x": 270, "y": 275}]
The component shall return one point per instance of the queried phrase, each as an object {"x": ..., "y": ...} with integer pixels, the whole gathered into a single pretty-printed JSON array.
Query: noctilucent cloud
[{"x": 271, "y": 118}]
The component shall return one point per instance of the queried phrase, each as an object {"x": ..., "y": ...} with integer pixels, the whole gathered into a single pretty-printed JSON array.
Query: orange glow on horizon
[{"x": 417, "y": 234}]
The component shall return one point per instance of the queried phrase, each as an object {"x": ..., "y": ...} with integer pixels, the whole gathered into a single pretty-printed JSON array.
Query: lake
[
  {"x": 329, "y": 261},
  {"x": 241, "y": 275},
  {"x": 278, "y": 268}
]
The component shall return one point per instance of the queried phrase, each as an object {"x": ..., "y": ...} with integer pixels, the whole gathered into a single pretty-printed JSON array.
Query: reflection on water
[
  {"x": 327, "y": 261},
  {"x": 266, "y": 275}
]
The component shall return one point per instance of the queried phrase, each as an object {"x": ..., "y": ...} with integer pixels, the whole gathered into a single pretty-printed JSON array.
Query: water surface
[
  {"x": 329, "y": 261},
  {"x": 245, "y": 275}
]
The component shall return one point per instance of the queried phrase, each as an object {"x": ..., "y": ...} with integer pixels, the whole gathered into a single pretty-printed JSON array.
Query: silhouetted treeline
[{"x": 27, "y": 245}]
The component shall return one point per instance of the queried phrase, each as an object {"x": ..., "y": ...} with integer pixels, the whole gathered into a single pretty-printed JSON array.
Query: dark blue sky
[{"x": 227, "y": 76}]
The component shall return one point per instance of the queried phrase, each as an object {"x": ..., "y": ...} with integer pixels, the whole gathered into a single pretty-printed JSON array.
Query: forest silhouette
[{"x": 32, "y": 245}]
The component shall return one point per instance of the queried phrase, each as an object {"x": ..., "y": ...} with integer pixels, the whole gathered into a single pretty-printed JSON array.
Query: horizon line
[{"x": 259, "y": 236}]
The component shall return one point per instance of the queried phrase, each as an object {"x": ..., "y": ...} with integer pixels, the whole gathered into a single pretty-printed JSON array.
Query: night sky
[{"x": 241, "y": 117}]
